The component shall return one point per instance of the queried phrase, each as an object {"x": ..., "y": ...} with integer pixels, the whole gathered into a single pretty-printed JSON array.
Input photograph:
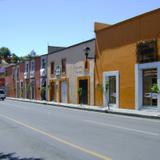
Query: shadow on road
[{"x": 12, "y": 156}]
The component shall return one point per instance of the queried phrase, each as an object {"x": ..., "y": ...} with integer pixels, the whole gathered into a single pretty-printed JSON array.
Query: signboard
[{"x": 58, "y": 70}]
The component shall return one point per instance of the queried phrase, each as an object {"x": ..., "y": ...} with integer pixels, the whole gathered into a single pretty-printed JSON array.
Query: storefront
[
  {"x": 127, "y": 67},
  {"x": 69, "y": 72}
]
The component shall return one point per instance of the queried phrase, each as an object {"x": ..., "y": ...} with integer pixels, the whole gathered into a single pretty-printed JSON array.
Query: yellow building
[
  {"x": 69, "y": 72},
  {"x": 128, "y": 62}
]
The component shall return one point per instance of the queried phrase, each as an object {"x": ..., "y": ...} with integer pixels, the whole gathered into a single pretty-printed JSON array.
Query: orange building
[{"x": 128, "y": 62}]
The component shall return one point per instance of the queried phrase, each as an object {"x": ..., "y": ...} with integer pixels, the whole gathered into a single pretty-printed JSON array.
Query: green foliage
[
  {"x": 22, "y": 91},
  {"x": 15, "y": 58},
  {"x": 107, "y": 86},
  {"x": 5, "y": 54},
  {"x": 155, "y": 88},
  {"x": 80, "y": 91},
  {"x": 43, "y": 92}
]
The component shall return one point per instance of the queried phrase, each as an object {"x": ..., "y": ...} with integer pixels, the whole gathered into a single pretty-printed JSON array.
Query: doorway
[
  {"x": 83, "y": 85},
  {"x": 149, "y": 79},
  {"x": 111, "y": 89},
  {"x": 63, "y": 91},
  {"x": 52, "y": 91},
  {"x": 32, "y": 89}
]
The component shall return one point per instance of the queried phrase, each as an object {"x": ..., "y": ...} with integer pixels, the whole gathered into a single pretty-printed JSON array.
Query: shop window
[
  {"x": 63, "y": 66},
  {"x": 147, "y": 51},
  {"x": 149, "y": 79},
  {"x": 52, "y": 68}
]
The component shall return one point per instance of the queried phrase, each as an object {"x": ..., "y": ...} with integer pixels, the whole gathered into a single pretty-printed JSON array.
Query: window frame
[{"x": 63, "y": 65}]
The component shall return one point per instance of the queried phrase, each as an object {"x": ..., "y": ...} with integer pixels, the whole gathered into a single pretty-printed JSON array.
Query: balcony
[
  {"x": 43, "y": 72},
  {"x": 26, "y": 75},
  {"x": 32, "y": 74}
]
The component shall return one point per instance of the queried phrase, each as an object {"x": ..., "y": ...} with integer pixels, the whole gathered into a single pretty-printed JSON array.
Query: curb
[
  {"x": 69, "y": 105},
  {"x": 89, "y": 108},
  {"x": 135, "y": 115}
]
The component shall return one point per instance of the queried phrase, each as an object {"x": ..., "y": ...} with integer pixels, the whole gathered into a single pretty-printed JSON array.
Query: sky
[{"x": 34, "y": 24}]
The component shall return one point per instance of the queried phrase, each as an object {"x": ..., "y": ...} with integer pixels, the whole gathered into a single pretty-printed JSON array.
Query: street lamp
[{"x": 86, "y": 52}]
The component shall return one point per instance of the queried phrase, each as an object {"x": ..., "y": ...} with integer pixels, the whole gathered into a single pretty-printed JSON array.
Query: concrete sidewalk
[{"x": 153, "y": 114}]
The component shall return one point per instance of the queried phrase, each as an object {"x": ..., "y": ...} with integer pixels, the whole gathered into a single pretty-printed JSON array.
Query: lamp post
[{"x": 87, "y": 51}]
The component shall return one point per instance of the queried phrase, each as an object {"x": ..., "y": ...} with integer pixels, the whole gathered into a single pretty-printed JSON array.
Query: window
[
  {"x": 26, "y": 67},
  {"x": 63, "y": 66},
  {"x": 32, "y": 66},
  {"x": 52, "y": 67},
  {"x": 43, "y": 65},
  {"x": 13, "y": 74},
  {"x": 18, "y": 73},
  {"x": 147, "y": 51}
]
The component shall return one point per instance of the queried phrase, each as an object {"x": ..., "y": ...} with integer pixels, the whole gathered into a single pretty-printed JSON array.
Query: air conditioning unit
[
  {"x": 32, "y": 74},
  {"x": 26, "y": 75},
  {"x": 43, "y": 72}
]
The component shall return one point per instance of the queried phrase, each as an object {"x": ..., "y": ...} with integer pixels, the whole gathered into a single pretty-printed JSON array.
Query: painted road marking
[
  {"x": 124, "y": 128},
  {"x": 90, "y": 152}
]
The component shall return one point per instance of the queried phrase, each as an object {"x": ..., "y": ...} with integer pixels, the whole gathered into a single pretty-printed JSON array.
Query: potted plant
[
  {"x": 155, "y": 91},
  {"x": 155, "y": 88},
  {"x": 22, "y": 91},
  {"x": 43, "y": 93}
]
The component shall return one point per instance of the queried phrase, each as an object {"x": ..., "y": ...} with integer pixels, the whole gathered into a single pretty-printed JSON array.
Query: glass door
[
  {"x": 149, "y": 78},
  {"x": 112, "y": 90}
]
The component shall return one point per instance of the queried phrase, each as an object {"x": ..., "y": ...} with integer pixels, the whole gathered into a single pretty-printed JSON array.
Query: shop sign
[{"x": 58, "y": 70}]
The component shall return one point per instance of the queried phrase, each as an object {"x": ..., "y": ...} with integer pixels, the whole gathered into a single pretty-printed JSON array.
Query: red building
[
  {"x": 10, "y": 81},
  {"x": 23, "y": 79}
]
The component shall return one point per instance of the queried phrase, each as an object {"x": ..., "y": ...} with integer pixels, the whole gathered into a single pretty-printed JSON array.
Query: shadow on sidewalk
[{"x": 12, "y": 156}]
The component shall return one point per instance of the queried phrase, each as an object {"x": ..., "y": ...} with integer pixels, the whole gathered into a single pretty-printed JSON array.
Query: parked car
[{"x": 2, "y": 94}]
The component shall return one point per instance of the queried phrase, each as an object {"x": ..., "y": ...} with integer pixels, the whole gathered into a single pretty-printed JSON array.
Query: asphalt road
[{"x": 40, "y": 132}]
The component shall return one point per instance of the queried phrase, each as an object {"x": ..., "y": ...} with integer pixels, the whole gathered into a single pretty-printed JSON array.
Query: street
[{"x": 31, "y": 131}]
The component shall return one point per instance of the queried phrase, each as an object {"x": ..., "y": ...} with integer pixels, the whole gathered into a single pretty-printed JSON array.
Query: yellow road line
[{"x": 92, "y": 153}]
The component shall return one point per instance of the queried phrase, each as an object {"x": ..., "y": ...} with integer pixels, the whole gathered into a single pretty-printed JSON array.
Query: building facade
[
  {"x": 23, "y": 79},
  {"x": 128, "y": 62},
  {"x": 10, "y": 81},
  {"x": 71, "y": 75},
  {"x": 43, "y": 77}
]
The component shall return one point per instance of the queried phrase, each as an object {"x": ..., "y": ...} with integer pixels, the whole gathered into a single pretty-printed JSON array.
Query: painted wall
[
  {"x": 116, "y": 51},
  {"x": 75, "y": 59},
  {"x": 10, "y": 82}
]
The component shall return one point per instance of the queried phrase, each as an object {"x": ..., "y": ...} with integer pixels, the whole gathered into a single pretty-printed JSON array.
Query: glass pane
[
  {"x": 112, "y": 89},
  {"x": 149, "y": 78}
]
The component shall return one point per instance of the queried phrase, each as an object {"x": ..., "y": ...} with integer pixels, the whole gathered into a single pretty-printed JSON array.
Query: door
[
  {"x": 18, "y": 90},
  {"x": 111, "y": 89},
  {"x": 83, "y": 98},
  {"x": 32, "y": 89},
  {"x": 52, "y": 91},
  {"x": 149, "y": 78},
  {"x": 64, "y": 91}
]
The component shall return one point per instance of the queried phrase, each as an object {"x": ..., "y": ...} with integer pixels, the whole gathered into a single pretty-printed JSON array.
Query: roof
[
  {"x": 131, "y": 19},
  {"x": 73, "y": 45}
]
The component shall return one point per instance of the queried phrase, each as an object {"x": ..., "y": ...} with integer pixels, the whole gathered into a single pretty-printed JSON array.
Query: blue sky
[{"x": 33, "y": 24}]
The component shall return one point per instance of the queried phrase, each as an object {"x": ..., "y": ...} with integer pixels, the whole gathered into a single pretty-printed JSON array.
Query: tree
[
  {"x": 15, "y": 58},
  {"x": 5, "y": 54}
]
